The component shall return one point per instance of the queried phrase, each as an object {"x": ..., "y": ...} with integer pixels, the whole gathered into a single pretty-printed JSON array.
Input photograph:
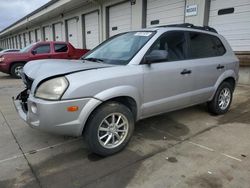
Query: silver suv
[{"x": 131, "y": 76}]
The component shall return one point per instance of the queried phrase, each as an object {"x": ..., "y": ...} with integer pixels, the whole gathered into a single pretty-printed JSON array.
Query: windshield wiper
[{"x": 93, "y": 59}]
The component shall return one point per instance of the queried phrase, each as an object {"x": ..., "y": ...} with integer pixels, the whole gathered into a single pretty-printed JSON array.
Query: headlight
[
  {"x": 52, "y": 89},
  {"x": 1, "y": 59}
]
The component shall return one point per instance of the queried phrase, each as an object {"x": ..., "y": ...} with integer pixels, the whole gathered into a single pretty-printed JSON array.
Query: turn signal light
[{"x": 72, "y": 108}]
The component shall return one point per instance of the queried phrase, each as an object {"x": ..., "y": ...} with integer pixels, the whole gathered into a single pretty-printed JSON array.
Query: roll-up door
[
  {"x": 47, "y": 33},
  {"x": 91, "y": 22},
  {"x": 232, "y": 19},
  {"x": 32, "y": 37},
  {"x": 18, "y": 42},
  {"x": 164, "y": 12},
  {"x": 12, "y": 42},
  {"x": 120, "y": 18},
  {"x": 38, "y": 35},
  {"x": 22, "y": 40},
  {"x": 58, "y": 36},
  {"x": 72, "y": 32},
  {"x": 27, "y": 39}
]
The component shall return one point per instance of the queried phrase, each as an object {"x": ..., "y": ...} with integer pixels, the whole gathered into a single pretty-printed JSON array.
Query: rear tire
[
  {"x": 221, "y": 102},
  {"x": 16, "y": 69},
  {"x": 109, "y": 129}
]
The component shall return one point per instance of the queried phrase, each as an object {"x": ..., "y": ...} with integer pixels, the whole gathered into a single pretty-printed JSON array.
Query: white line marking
[
  {"x": 38, "y": 150},
  {"x": 55, "y": 145},
  {"x": 201, "y": 146},
  {"x": 231, "y": 157},
  {"x": 11, "y": 158}
]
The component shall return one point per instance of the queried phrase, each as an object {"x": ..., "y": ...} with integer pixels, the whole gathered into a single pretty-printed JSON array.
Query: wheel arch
[
  {"x": 127, "y": 96},
  {"x": 228, "y": 76}
]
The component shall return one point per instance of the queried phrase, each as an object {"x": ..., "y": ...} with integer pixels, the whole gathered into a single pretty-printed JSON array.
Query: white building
[{"x": 86, "y": 23}]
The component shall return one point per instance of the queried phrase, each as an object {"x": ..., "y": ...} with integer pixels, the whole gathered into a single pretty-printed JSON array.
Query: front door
[
  {"x": 41, "y": 52},
  {"x": 168, "y": 82}
]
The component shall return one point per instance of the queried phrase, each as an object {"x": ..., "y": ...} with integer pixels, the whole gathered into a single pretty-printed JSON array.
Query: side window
[
  {"x": 43, "y": 49},
  {"x": 173, "y": 43},
  {"x": 205, "y": 45},
  {"x": 220, "y": 49},
  {"x": 61, "y": 48}
]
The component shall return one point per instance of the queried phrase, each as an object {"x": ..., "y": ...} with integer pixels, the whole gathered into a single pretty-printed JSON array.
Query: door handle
[
  {"x": 220, "y": 67},
  {"x": 185, "y": 71}
]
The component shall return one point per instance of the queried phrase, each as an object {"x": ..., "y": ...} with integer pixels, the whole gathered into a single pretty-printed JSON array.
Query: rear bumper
[{"x": 52, "y": 116}]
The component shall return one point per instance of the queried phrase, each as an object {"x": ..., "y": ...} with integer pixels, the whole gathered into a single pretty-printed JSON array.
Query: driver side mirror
[
  {"x": 34, "y": 52},
  {"x": 156, "y": 56}
]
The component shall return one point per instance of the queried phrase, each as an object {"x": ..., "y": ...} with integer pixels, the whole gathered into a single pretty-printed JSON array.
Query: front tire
[
  {"x": 109, "y": 128},
  {"x": 222, "y": 99},
  {"x": 16, "y": 70}
]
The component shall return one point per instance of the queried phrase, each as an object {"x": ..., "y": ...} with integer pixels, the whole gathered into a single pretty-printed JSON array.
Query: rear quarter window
[
  {"x": 204, "y": 45},
  {"x": 59, "y": 48}
]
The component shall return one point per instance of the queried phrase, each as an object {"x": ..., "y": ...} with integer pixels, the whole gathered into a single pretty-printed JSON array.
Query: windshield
[
  {"x": 27, "y": 48},
  {"x": 120, "y": 49}
]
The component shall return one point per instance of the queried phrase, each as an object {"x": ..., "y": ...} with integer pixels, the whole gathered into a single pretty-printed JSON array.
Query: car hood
[{"x": 41, "y": 69}]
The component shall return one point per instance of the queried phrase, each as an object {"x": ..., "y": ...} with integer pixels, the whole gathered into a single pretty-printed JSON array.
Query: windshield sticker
[{"x": 143, "y": 34}]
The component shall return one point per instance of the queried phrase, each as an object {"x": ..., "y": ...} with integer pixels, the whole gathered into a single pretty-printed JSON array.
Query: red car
[{"x": 12, "y": 63}]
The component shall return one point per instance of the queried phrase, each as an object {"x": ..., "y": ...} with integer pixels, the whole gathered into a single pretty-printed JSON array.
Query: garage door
[
  {"x": 164, "y": 12},
  {"x": 12, "y": 42},
  {"x": 27, "y": 39},
  {"x": 16, "y": 44},
  {"x": 91, "y": 30},
  {"x": 47, "y": 33},
  {"x": 22, "y": 40},
  {"x": 38, "y": 35},
  {"x": 120, "y": 18},
  {"x": 32, "y": 37},
  {"x": 58, "y": 32},
  {"x": 232, "y": 19},
  {"x": 72, "y": 32},
  {"x": 18, "y": 41}
]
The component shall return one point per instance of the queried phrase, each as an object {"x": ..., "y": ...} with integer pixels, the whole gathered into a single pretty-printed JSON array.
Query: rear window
[
  {"x": 61, "y": 48},
  {"x": 204, "y": 45}
]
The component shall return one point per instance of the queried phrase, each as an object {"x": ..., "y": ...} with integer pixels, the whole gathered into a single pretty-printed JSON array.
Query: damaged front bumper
[
  {"x": 53, "y": 116},
  {"x": 20, "y": 103}
]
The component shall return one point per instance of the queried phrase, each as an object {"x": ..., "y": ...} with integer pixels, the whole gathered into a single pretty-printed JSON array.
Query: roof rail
[{"x": 189, "y": 25}]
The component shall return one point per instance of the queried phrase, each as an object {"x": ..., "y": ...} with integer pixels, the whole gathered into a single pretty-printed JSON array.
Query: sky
[{"x": 13, "y": 10}]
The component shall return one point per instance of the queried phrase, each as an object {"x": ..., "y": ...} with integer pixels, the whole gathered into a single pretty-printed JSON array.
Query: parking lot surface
[{"x": 185, "y": 148}]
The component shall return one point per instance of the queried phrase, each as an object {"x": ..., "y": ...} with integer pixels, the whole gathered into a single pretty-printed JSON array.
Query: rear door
[
  {"x": 206, "y": 56},
  {"x": 60, "y": 51},
  {"x": 168, "y": 83}
]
